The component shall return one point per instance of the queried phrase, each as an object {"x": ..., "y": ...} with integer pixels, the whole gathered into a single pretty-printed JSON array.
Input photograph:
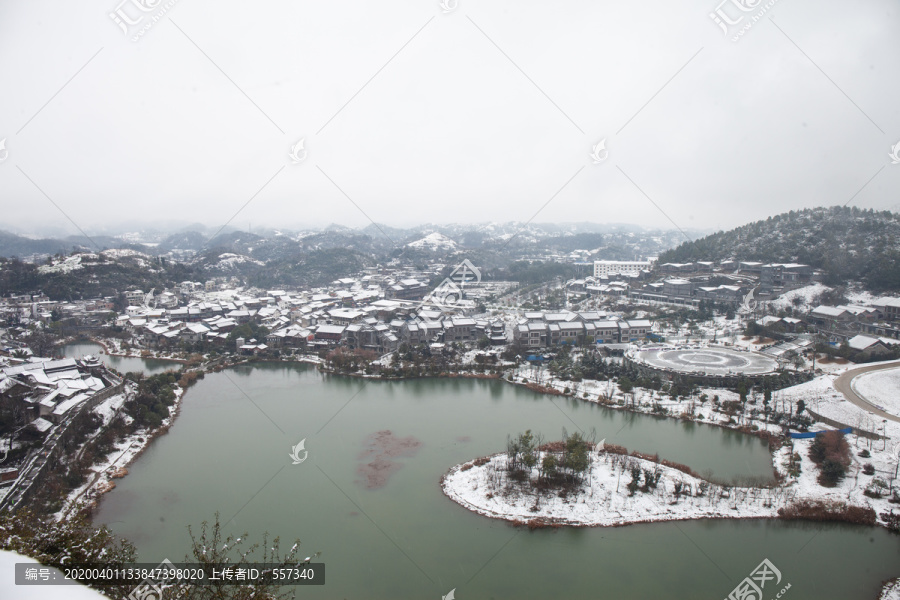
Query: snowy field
[
  {"x": 821, "y": 397},
  {"x": 712, "y": 361},
  {"x": 800, "y": 298},
  {"x": 881, "y": 389}
]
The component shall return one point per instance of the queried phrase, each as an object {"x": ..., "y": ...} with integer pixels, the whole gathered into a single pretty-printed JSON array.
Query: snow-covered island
[
  {"x": 617, "y": 489},
  {"x": 612, "y": 488}
]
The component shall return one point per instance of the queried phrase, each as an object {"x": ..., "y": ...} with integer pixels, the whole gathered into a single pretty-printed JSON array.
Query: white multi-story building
[{"x": 614, "y": 267}]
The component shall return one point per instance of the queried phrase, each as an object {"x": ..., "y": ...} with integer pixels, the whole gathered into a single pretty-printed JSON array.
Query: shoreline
[
  {"x": 88, "y": 496},
  {"x": 478, "y": 486},
  {"x": 464, "y": 483},
  {"x": 104, "y": 481},
  {"x": 549, "y": 389},
  {"x": 104, "y": 484},
  {"x": 107, "y": 351}
]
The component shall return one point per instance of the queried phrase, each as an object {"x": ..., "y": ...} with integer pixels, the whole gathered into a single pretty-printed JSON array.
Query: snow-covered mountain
[{"x": 434, "y": 241}]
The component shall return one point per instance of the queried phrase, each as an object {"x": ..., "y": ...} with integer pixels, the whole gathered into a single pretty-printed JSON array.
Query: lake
[
  {"x": 122, "y": 364},
  {"x": 400, "y": 537}
]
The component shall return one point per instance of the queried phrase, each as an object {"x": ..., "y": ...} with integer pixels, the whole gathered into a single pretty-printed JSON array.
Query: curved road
[{"x": 842, "y": 384}]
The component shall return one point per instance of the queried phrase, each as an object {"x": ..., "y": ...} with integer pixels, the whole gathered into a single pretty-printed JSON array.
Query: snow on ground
[
  {"x": 600, "y": 506},
  {"x": 227, "y": 260},
  {"x": 861, "y": 298},
  {"x": 751, "y": 343},
  {"x": 67, "y": 265},
  {"x": 805, "y": 294},
  {"x": 109, "y": 407},
  {"x": 434, "y": 241},
  {"x": 642, "y": 400},
  {"x": 881, "y": 389},
  {"x": 123, "y": 252},
  {"x": 721, "y": 361},
  {"x": 821, "y": 398},
  {"x": 99, "y": 479},
  {"x": 891, "y": 590},
  {"x": 605, "y": 500},
  {"x": 828, "y": 365}
]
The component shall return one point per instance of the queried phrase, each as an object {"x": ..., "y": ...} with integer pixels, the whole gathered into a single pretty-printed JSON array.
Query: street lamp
[{"x": 896, "y": 465}]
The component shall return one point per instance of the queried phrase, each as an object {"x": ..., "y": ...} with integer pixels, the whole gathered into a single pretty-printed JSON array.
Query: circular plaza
[{"x": 705, "y": 362}]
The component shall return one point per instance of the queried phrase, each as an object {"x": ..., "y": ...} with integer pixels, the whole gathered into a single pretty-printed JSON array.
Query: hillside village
[
  {"x": 584, "y": 337},
  {"x": 621, "y": 302}
]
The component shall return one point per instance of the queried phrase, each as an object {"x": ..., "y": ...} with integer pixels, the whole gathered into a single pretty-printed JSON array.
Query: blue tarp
[{"x": 812, "y": 434}]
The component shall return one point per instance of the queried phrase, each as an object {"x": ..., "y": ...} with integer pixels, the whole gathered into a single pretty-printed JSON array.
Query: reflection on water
[{"x": 122, "y": 364}]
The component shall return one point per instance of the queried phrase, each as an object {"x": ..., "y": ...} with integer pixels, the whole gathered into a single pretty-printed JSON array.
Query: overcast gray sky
[{"x": 410, "y": 114}]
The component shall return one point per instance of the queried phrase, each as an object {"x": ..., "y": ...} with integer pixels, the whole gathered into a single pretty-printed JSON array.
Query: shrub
[
  {"x": 876, "y": 489},
  {"x": 635, "y": 482},
  {"x": 869, "y": 469},
  {"x": 72, "y": 540},
  {"x": 892, "y": 520},
  {"x": 188, "y": 378},
  {"x": 832, "y": 453},
  {"x": 828, "y": 510},
  {"x": 830, "y": 473}
]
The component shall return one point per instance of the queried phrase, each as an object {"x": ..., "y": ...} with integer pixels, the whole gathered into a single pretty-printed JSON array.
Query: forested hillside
[{"x": 846, "y": 243}]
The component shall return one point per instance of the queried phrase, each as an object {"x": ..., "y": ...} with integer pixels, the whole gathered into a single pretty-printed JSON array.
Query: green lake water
[{"x": 229, "y": 452}]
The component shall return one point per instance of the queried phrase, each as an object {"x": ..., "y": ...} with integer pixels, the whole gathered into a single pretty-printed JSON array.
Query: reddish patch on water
[{"x": 377, "y": 462}]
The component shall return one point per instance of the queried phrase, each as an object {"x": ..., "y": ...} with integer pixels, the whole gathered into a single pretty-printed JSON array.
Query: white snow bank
[
  {"x": 881, "y": 388},
  {"x": 804, "y": 296},
  {"x": 891, "y": 590}
]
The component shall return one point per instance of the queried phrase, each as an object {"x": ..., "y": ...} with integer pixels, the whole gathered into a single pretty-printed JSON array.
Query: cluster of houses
[
  {"x": 350, "y": 314},
  {"x": 46, "y": 396},
  {"x": 684, "y": 292},
  {"x": 543, "y": 329},
  {"x": 362, "y": 317},
  {"x": 868, "y": 330},
  {"x": 50, "y": 391},
  {"x": 682, "y": 284}
]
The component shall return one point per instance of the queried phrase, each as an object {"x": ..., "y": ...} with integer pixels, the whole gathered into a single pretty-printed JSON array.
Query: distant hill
[
  {"x": 152, "y": 258},
  {"x": 846, "y": 243},
  {"x": 16, "y": 245},
  {"x": 187, "y": 240}
]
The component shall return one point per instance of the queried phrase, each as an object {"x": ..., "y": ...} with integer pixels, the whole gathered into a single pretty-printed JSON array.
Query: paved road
[{"x": 842, "y": 384}]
